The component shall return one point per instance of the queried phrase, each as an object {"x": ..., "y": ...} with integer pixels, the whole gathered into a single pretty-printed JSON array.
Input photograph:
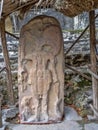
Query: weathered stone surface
[
  {"x": 71, "y": 114},
  {"x": 91, "y": 126},
  {"x": 40, "y": 73},
  {"x": 65, "y": 125},
  {"x": 3, "y": 128},
  {"x": 10, "y": 112}
]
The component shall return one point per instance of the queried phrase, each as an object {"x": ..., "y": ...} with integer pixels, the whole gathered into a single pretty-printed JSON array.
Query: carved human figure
[
  {"x": 38, "y": 74},
  {"x": 42, "y": 76}
]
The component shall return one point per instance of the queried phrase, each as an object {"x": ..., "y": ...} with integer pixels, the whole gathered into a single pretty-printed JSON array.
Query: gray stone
[
  {"x": 65, "y": 22},
  {"x": 71, "y": 114},
  {"x": 65, "y": 125},
  {"x": 90, "y": 117},
  {"x": 3, "y": 128},
  {"x": 91, "y": 126},
  {"x": 10, "y": 113},
  {"x": 89, "y": 92}
]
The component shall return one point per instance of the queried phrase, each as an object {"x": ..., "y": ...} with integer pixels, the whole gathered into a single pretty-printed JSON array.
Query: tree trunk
[
  {"x": 7, "y": 62},
  {"x": 93, "y": 59},
  {"x": 0, "y": 110}
]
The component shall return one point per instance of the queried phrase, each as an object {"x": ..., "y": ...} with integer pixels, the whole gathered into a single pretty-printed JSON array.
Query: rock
[
  {"x": 89, "y": 92},
  {"x": 90, "y": 117},
  {"x": 65, "y": 125},
  {"x": 90, "y": 100},
  {"x": 71, "y": 114},
  {"x": 89, "y": 95},
  {"x": 91, "y": 126},
  {"x": 65, "y": 22},
  {"x": 3, "y": 128},
  {"x": 10, "y": 113}
]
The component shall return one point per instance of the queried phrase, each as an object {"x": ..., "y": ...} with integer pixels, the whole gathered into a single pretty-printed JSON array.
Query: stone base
[
  {"x": 68, "y": 123},
  {"x": 91, "y": 126},
  {"x": 65, "y": 125}
]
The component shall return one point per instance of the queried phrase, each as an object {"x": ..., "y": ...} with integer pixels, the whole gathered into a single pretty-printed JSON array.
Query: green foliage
[
  {"x": 83, "y": 83},
  {"x": 75, "y": 93}
]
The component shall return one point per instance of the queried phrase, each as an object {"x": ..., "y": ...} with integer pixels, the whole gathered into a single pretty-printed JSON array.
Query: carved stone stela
[{"x": 40, "y": 71}]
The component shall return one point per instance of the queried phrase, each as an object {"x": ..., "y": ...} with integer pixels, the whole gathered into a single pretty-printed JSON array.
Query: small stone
[
  {"x": 90, "y": 117},
  {"x": 10, "y": 113},
  {"x": 71, "y": 114},
  {"x": 89, "y": 92}
]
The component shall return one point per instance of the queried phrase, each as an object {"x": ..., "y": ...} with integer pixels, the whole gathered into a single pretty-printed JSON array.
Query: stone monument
[{"x": 41, "y": 71}]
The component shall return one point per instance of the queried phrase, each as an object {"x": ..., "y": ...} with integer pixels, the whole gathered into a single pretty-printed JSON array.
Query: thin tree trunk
[
  {"x": 7, "y": 62},
  {"x": 0, "y": 110},
  {"x": 93, "y": 59}
]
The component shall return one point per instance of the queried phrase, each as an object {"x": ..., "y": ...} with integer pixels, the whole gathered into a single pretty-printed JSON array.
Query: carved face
[{"x": 44, "y": 38}]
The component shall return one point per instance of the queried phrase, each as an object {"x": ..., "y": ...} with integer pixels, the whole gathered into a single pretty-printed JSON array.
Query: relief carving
[{"x": 40, "y": 47}]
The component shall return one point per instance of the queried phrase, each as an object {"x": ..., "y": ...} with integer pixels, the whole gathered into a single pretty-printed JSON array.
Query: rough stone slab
[
  {"x": 71, "y": 114},
  {"x": 10, "y": 113},
  {"x": 40, "y": 71},
  {"x": 3, "y": 128},
  {"x": 65, "y": 125},
  {"x": 91, "y": 126}
]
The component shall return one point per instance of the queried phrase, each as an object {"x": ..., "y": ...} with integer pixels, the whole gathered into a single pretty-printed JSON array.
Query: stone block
[{"x": 41, "y": 71}]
